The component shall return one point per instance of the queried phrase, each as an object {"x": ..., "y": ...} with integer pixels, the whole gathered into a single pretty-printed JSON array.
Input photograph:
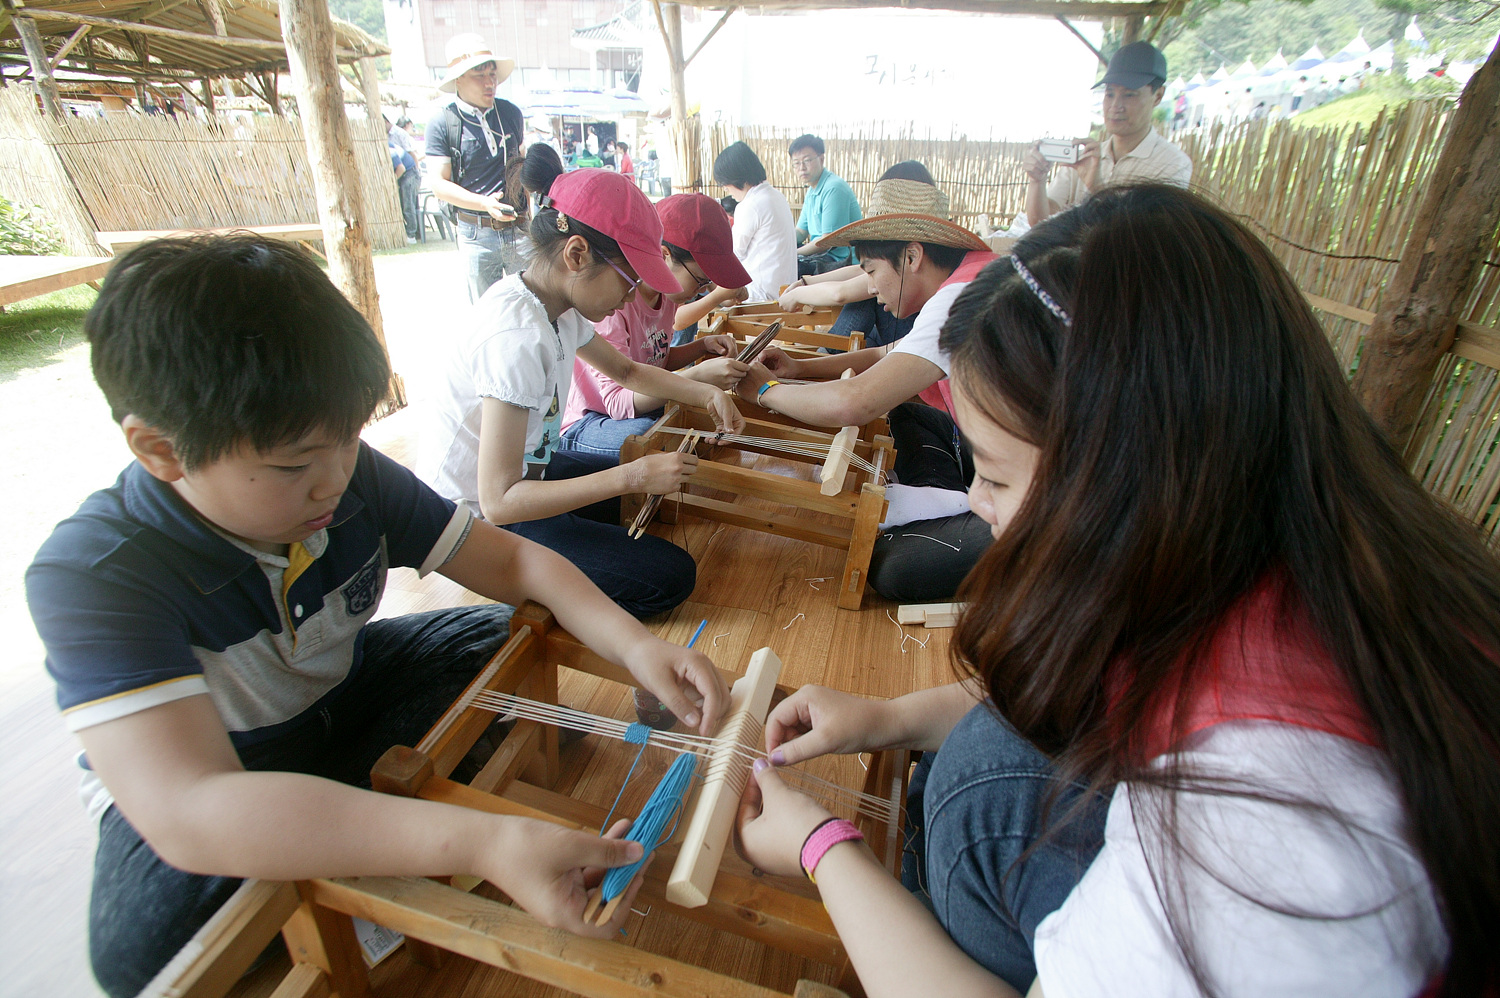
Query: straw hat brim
[
  {"x": 503, "y": 67},
  {"x": 907, "y": 227}
]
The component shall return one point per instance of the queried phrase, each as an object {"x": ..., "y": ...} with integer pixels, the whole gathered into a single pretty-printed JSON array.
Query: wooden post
[
  {"x": 36, "y": 53},
  {"x": 669, "y": 21},
  {"x": 1132, "y": 32},
  {"x": 308, "y": 31},
  {"x": 1419, "y": 313},
  {"x": 370, "y": 83}
]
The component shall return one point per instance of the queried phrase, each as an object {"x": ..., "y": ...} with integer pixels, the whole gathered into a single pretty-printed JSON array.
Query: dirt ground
[{"x": 59, "y": 446}]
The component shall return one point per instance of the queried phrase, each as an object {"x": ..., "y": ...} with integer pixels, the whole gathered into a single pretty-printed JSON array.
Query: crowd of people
[{"x": 1227, "y": 709}]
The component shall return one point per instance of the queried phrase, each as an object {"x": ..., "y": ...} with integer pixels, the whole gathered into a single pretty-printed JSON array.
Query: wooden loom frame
[
  {"x": 854, "y": 497},
  {"x": 802, "y": 332},
  {"x": 314, "y": 916}
]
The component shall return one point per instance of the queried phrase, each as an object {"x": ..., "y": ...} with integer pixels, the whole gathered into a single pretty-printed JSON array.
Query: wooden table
[{"x": 23, "y": 277}]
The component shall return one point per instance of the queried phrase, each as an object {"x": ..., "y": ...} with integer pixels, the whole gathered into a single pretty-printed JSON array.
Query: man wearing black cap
[{"x": 1134, "y": 84}]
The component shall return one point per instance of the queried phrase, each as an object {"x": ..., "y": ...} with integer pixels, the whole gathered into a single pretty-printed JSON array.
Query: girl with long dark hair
[{"x": 1230, "y": 714}]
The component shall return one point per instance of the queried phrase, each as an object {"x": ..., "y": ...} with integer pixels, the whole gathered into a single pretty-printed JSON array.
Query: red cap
[
  {"x": 700, "y": 225},
  {"x": 610, "y": 203}
]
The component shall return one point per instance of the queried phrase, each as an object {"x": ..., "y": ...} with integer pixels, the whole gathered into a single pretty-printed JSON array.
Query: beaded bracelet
[{"x": 823, "y": 838}]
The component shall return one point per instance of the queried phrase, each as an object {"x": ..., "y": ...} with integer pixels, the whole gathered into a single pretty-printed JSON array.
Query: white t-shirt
[
  {"x": 508, "y": 352},
  {"x": 765, "y": 240},
  {"x": 922, "y": 341},
  {"x": 1155, "y": 158},
  {"x": 1111, "y": 936}
]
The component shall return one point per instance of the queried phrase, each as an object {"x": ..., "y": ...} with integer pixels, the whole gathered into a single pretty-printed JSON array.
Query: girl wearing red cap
[
  {"x": 493, "y": 436},
  {"x": 1231, "y": 721},
  {"x": 698, "y": 247}
]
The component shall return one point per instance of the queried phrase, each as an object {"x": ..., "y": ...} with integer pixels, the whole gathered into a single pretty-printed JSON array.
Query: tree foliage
[
  {"x": 367, "y": 15},
  {"x": 1214, "y": 32}
]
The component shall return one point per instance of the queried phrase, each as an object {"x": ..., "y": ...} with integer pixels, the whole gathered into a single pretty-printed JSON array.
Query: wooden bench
[{"x": 23, "y": 277}]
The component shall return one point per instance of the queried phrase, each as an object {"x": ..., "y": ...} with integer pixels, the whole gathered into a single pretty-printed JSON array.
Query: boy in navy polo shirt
[{"x": 207, "y": 617}]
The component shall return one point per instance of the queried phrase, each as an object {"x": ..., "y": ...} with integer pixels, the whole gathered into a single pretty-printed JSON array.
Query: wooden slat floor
[{"x": 754, "y": 590}]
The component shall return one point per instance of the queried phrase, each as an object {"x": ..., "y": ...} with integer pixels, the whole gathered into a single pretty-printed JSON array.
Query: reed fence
[
  {"x": 1335, "y": 205},
  {"x": 158, "y": 172}
]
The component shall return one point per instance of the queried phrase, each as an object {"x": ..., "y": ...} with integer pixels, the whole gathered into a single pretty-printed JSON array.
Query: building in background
[{"x": 538, "y": 34}]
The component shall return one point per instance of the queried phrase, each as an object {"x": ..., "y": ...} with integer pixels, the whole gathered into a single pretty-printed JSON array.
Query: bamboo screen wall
[
  {"x": 155, "y": 172},
  {"x": 1335, "y": 205}
]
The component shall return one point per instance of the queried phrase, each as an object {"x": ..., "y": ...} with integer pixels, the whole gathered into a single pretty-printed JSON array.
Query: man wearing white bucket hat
[
  {"x": 470, "y": 144},
  {"x": 917, "y": 261}
]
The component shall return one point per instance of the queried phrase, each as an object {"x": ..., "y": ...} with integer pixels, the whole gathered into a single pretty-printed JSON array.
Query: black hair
[
  {"x": 682, "y": 256},
  {"x": 403, "y": 121},
  {"x": 808, "y": 141},
  {"x": 728, "y": 203},
  {"x": 550, "y": 228},
  {"x": 623, "y": 146},
  {"x": 889, "y": 250},
  {"x": 738, "y": 166},
  {"x": 909, "y": 169},
  {"x": 220, "y": 341}
]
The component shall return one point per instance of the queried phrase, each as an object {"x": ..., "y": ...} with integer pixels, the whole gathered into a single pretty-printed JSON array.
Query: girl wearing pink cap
[
  {"x": 493, "y": 433},
  {"x": 698, "y": 247}
]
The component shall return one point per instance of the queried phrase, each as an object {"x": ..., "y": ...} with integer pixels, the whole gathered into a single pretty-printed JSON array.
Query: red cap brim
[
  {"x": 724, "y": 269},
  {"x": 652, "y": 269}
]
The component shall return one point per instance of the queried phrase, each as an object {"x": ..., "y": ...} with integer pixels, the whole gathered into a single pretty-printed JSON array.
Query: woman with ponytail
[{"x": 1229, "y": 715}]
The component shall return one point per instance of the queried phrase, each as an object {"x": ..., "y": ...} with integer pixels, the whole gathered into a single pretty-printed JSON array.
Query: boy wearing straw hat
[
  {"x": 917, "y": 261},
  {"x": 470, "y": 144}
]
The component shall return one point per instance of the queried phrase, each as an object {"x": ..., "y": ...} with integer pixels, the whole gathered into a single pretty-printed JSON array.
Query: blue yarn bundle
[{"x": 665, "y": 802}]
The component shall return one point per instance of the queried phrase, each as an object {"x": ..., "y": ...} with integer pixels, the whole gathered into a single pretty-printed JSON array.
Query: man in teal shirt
[{"x": 829, "y": 205}]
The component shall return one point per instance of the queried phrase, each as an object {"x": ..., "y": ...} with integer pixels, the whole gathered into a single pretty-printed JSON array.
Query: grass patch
[
  {"x": 37, "y": 331},
  {"x": 1363, "y": 106}
]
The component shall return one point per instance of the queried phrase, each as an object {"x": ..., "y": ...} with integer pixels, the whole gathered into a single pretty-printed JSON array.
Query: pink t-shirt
[{"x": 641, "y": 333}]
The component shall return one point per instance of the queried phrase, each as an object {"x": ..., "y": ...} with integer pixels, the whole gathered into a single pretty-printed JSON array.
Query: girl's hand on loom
[
  {"x": 778, "y": 363},
  {"x": 660, "y": 474},
  {"x": 721, "y": 372},
  {"x": 721, "y": 344},
  {"x": 818, "y": 721},
  {"x": 774, "y": 821},
  {"x": 683, "y": 679},
  {"x": 549, "y": 870},
  {"x": 726, "y": 414}
]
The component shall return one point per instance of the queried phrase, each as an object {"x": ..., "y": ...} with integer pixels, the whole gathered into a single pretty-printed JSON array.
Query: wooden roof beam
[
  {"x": 197, "y": 37},
  {"x": 1087, "y": 10}
]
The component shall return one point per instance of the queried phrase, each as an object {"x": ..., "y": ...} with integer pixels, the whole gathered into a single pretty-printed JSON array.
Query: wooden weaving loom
[
  {"x": 708, "y": 883},
  {"x": 802, "y": 333},
  {"x": 850, "y": 465}
]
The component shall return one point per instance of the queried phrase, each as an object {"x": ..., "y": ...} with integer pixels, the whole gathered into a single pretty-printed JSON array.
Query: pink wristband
[{"x": 824, "y": 838}]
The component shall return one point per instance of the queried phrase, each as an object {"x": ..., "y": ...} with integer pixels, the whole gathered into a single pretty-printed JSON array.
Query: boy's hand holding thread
[{"x": 550, "y": 870}]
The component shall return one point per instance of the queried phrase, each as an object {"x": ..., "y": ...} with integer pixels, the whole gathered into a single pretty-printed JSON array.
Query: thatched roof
[{"x": 167, "y": 39}]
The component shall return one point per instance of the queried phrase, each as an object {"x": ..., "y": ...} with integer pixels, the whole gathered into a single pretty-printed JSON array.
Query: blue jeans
[
  {"x": 143, "y": 911},
  {"x": 871, "y": 318},
  {"x": 596, "y": 433},
  {"x": 974, "y": 809},
  {"x": 645, "y": 576},
  {"x": 490, "y": 254}
]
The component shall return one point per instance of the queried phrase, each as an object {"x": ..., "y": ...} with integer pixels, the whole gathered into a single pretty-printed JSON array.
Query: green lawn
[
  {"x": 34, "y": 332},
  {"x": 1363, "y": 106}
]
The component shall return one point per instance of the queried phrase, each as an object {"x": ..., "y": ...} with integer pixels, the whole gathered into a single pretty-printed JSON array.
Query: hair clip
[
  {"x": 543, "y": 201},
  {"x": 1041, "y": 293},
  {"x": 562, "y": 222}
]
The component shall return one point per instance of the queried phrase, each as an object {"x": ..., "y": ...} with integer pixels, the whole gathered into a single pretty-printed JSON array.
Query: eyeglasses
[
  {"x": 700, "y": 282},
  {"x": 804, "y": 161},
  {"x": 631, "y": 282}
]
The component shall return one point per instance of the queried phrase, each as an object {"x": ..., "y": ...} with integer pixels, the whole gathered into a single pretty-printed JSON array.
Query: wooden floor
[{"x": 754, "y": 590}]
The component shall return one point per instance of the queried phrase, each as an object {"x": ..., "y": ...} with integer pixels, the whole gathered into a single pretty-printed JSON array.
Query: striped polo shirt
[{"x": 139, "y": 601}]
